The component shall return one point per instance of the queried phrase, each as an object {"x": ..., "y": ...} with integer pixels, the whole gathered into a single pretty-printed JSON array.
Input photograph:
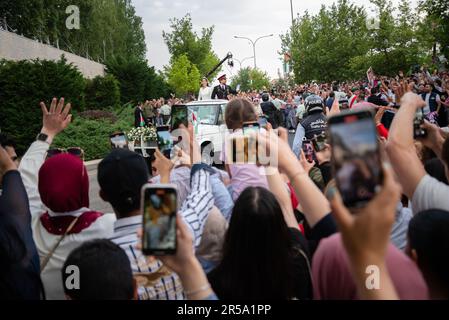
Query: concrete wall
[{"x": 15, "y": 47}]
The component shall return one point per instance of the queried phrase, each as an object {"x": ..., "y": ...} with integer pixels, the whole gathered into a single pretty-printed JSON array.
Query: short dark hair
[
  {"x": 104, "y": 272},
  {"x": 239, "y": 111},
  {"x": 259, "y": 239},
  {"x": 428, "y": 234},
  {"x": 7, "y": 141}
]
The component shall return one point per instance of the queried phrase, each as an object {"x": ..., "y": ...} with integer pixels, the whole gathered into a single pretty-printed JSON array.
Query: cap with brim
[
  {"x": 223, "y": 76},
  {"x": 121, "y": 176}
]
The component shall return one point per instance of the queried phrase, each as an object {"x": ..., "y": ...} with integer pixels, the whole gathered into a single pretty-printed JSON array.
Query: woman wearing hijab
[{"x": 58, "y": 194}]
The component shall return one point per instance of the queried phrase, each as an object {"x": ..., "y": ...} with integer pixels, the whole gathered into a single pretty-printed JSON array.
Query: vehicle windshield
[{"x": 204, "y": 114}]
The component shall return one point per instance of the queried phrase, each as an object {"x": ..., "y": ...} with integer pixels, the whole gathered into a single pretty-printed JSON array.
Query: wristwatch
[{"x": 42, "y": 137}]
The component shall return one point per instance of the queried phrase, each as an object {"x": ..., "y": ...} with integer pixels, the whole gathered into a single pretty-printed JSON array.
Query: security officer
[{"x": 313, "y": 123}]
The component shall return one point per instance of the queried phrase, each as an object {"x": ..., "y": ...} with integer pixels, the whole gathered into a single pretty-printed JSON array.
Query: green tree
[
  {"x": 24, "y": 84},
  {"x": 107, "y": 28},
  {"x": 435, "y": 29},
  {"x": 251, "y": 79},
  {"x": 183, "y": 76},
  {"x": 182, "y": 40},
  {"x": 102, "y": 92}
]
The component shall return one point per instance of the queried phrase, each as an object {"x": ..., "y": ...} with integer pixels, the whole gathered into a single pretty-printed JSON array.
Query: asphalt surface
[{"x": 96, "y": 203}]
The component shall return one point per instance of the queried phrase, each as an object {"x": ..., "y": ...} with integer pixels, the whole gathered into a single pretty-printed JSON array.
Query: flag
[
  {"x": 370, "y": 76},
  {"x": 195, "y": 122}
]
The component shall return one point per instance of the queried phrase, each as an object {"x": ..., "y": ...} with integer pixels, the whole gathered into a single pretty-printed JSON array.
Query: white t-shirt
[{"x": 430, "y": 194}]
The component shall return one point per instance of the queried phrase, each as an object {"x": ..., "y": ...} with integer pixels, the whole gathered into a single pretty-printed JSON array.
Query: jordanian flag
[{"x": 195, "y": 122}]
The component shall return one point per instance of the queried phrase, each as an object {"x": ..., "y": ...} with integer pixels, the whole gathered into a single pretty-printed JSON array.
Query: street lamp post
[
  {"x": 254, "y": 45},
  {"x": 241, "y": 61}
]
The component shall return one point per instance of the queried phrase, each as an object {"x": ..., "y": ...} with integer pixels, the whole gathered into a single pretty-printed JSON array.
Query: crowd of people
[{"x": 277, "y": 232}]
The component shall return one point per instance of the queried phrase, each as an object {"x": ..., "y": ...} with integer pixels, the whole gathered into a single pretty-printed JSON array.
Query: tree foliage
[
  {"x": 24, "y": 84},
  {"x": 138, "y": 81},
  {"x": 182, "y": 40},
  {"x": 107, "y": 28},
  {"x": 183, "y": 76},
  {"x": 251, "y": 79},
  {"x": 341, "y": 41},
  {"x": 102, "y": 92}
]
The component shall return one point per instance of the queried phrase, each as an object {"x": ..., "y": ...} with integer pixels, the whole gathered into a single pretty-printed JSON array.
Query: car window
[{"x": 204, "y": 114}]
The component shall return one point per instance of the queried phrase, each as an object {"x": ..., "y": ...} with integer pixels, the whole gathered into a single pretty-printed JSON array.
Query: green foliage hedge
[
  {"x": 24, "y": 84},
  {"x": 102, "y": 92},
  {"x": 93, "y": 135}
]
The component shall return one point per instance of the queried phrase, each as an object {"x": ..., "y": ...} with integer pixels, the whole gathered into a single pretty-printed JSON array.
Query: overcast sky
[{"x": 248, "y": 18}]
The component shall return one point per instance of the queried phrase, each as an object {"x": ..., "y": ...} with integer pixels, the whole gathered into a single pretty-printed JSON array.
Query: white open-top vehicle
[{"x": 210, "y": 127}]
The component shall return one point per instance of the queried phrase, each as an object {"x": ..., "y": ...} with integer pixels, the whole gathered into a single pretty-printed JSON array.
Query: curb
[{"x": 92, "y": 165}]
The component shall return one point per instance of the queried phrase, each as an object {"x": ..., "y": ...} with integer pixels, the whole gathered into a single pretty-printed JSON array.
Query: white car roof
[{"x": 207, "y": 102}]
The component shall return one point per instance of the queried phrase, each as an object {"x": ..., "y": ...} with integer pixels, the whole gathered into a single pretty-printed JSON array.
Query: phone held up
[
  {"x": 356, "y": 160},
  {"x": 159, "y": 207},
  {"x": 307, "y": 148},
  {"x": 164, "y": 140},
  {"x": 418, "y": 121},
  {"x": 118, "y": 140},
  {"x": 179, "y": 115}
]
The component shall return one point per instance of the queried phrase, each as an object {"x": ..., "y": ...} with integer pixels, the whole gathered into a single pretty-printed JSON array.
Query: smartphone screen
[
  {"x": 263, "y": 122},
  {"x": 164, "y": 141},
  {"x": 418, "y": 131},
  {"x": 159, "y": 204},
  {"x": 118, "y": 141},
  {"x": 179, "y": 116},
  {"x": 319, "y": 142},
  {"x": 356, "y": 158},
  {"x": 307, "y": 148},
  {"x": 249, "y": 127}
]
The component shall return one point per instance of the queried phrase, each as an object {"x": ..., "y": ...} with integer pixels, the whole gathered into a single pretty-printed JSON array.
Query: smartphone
[
  {"x": 356, "y": 160},
  {"x": 319, "y": 142},
  {"x": 418, "y": 131},
  {"x": 263, "y": 122},
  {"x": 307, "y": 148},
  {"x": 249, "y": 127},
  {"x": 118, "y": 141},
  {"x": 159, "y": 206},
  {"x": 164, "y": 140},
  {"x": 179, "y": 115}
]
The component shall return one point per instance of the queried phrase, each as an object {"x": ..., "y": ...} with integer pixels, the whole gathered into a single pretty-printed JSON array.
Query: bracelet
[{"x": 203, "y": 288}]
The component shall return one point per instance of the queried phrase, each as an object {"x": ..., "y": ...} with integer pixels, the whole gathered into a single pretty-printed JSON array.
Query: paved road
[{"x": 95, "y": 201}]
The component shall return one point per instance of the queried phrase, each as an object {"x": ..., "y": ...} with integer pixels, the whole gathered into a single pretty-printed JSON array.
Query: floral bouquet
[{"x": 141, "y": 136}]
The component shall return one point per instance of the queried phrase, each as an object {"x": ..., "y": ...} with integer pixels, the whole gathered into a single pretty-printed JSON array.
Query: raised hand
[
  {"x": 366, "y": 235},
  {"x": 56, "y": 119}
]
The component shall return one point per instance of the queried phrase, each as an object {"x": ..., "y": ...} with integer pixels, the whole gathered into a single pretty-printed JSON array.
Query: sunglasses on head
[{"x": 75, "y": 151}]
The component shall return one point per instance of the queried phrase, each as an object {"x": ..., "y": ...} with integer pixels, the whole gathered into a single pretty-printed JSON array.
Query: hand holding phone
[
  {"x": 307, "y": 148},
  {"x": 356, "y": 160},
  {"x": 418, "y": 121},
  {"x": 179, "y": 115},
  {"x": 249, "y": 127},
  {"x": 164, "y": 140},
  {"x": 159, "y": 207}
]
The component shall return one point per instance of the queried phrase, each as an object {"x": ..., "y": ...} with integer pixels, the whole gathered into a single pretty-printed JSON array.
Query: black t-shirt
[{"x": 19, "y": 260}]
